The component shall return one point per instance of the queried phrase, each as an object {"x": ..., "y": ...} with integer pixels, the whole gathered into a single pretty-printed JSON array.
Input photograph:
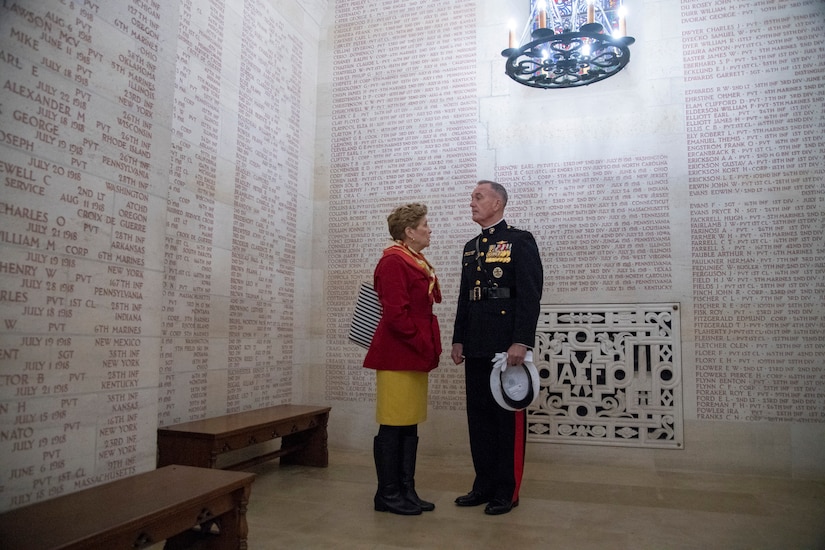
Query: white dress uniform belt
[{"x": 489, "y": 293}]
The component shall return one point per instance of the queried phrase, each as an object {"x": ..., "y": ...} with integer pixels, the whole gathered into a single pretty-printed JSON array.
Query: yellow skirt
[{"x": 401, "y": 397}]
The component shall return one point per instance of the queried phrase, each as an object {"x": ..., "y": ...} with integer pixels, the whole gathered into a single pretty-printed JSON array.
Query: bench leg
[
  {"x": 232, "y": 526},
  {"x": 311, "y": 446},
  {"x": 191, "y": 452}
]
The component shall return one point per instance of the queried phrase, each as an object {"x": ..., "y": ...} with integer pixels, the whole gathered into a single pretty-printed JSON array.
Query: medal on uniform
[{"x": 499, "y": 253}]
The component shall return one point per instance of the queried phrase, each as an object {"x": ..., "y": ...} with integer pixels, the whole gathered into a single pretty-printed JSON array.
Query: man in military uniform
[{"x": 498, "y": 308}]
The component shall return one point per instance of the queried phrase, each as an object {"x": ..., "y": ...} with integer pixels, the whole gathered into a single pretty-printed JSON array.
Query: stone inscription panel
[
  {"x": 262, "y": 275},
  {"x": 149, "y": 223},
  {"x": 603, "y": 229},
  {"x": 84, "y": 155},
  {"x": 755, "y": 122},
  {"x": 230, "y": 248},
  {"x": 189, "y": 255},
  {"x": 396, "y": 140}
]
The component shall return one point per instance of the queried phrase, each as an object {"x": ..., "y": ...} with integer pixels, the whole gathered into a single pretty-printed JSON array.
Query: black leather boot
[
  {"x": 409, "y": 450},
  {"x": 389, "y": 498}
]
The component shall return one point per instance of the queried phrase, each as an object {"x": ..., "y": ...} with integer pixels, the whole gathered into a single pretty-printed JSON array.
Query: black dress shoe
[
  {"x": 473, "y": 498},
  {"x": 499, "y": 506}
]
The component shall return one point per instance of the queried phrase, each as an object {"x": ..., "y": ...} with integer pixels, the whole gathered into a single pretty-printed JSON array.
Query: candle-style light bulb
[
  {"x": 542, "y": 14},
  {"x": 512, "y": 34},
  {"x": 622, "y": 21},
  {"x": 591, "y": 11}
]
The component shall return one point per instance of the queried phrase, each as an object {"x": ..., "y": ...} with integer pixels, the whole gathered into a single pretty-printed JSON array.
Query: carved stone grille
[{"x": 610, "y": 375}]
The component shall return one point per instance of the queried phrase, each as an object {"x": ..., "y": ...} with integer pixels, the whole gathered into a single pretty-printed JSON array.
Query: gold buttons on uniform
[{"x": 478, "y": 283}]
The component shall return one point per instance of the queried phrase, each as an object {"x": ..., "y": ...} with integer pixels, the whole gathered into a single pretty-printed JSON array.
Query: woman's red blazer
[{"x": 408, "y": 336}]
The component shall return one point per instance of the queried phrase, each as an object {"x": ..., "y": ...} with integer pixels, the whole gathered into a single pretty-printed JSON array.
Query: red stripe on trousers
[{"x": 518, "y": 451}]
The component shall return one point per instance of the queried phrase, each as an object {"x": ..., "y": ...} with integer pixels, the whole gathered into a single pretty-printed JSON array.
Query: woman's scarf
[{"x": 418, "y": 261}]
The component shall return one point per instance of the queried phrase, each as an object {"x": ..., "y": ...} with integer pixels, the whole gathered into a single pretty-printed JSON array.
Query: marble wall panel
[
  {"x": 151, "y": 169},
  {"x": 693, "y": 177},
  {"x": 191, "y": 193}
]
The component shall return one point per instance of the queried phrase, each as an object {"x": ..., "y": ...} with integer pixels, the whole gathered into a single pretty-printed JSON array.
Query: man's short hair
[{"x": 498, "y": 188}]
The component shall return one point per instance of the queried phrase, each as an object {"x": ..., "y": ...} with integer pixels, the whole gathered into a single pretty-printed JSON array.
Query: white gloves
[{"x": 500, "y": 360}]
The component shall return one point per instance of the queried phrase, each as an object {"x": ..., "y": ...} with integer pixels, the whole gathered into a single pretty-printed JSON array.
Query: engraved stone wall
[
  {"x": 154, "y": 159},
  {"x": 755, "y": 124},
  {"x": 400, "y": 133},
  {"x": 696, "y": 183},
  {"x": 85, "y": 149},
  {"x": 162, "y": 195}
]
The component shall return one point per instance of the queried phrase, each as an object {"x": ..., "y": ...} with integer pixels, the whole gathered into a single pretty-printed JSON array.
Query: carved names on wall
[
  {"x": 603, "y": 229},
  {"x": 84, "y": 88},
  {"x": 755, "y": 106},
  {"x": 231, "y": 233},
  {"x": 148, "y": 240},
  {"x": 400, "y": 133}
]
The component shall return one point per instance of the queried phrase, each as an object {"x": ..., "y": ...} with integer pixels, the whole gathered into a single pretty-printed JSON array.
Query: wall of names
[
  {"x": 156, "y": 165},
  {"x": 604, "y": 229},
  {"x": 84, "y": 109},
  {"x": 150, "y": 193},
  {"x": 755, "y": 144},
  {"x": 729, "y": 224},
  {"x": 410, "y": 138}
]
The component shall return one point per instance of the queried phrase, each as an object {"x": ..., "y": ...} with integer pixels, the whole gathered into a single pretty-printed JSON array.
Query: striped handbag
[{"x": 365, "y": 317}]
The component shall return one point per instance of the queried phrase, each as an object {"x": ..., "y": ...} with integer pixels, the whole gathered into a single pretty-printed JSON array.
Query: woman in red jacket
[{"x": 405, "y": 348}]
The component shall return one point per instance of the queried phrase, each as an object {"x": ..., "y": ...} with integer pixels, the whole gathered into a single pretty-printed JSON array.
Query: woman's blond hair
[{"x": 408, "y": 215}]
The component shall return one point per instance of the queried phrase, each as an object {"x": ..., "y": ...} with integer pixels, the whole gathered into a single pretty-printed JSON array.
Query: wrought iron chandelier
[{"x": 573, "y": 43}]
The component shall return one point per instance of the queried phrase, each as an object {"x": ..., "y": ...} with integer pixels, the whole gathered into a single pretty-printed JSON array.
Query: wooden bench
[
  {"x": 182, "y": 505},
  {"x": 302, "y": 429}
]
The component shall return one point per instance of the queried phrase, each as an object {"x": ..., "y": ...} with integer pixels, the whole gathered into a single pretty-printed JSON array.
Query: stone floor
[{"x": 562, "y": 507}]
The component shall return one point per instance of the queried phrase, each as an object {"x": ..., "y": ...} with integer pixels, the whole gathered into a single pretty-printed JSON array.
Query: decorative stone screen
[{"x": 610, "y": 375}]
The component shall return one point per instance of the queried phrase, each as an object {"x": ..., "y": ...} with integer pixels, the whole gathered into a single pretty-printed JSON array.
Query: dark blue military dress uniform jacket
[{"x": 500, "y": 294}]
